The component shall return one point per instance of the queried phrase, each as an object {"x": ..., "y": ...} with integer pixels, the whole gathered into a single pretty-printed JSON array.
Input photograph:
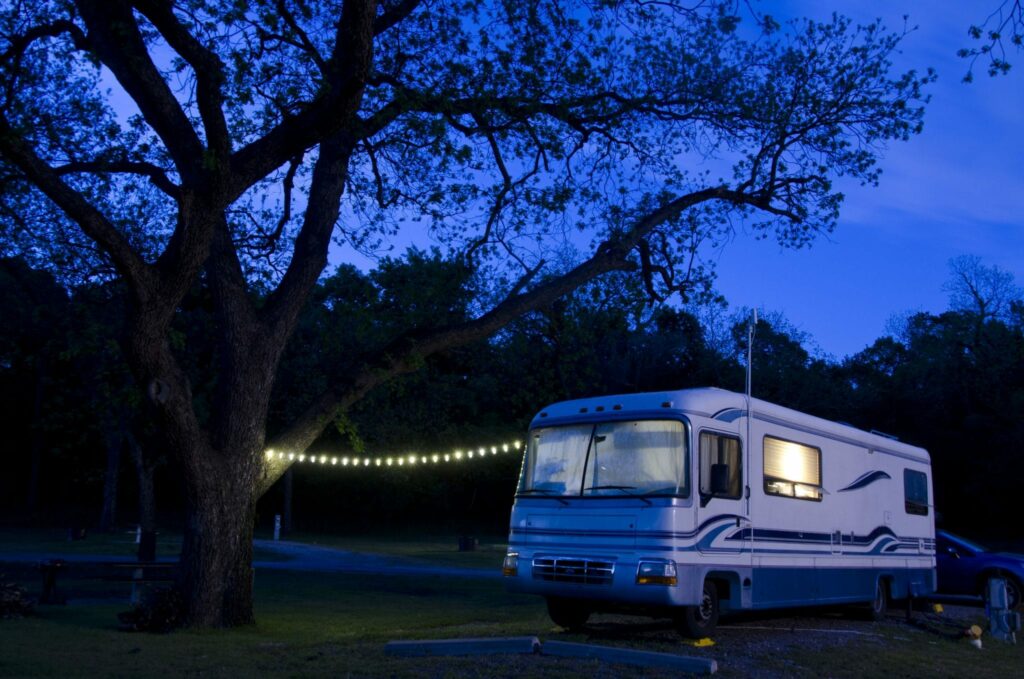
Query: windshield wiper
[
  {"x": 543, "y": 491},
  {"x": 624, "y": 489}
]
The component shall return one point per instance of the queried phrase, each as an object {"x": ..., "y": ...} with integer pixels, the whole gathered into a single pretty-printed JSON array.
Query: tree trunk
[
  {"x": 108, "y": 516},
  {"x": 217, "y": 553},
  {"x": 144, "y": 469}
]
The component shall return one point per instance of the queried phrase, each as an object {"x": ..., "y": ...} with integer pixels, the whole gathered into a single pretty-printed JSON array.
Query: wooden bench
[{"x": 136, "y": 572}]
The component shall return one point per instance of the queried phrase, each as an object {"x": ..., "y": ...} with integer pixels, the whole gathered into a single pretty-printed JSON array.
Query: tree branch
[
  {"x": 129, "y": 263},
  {"x": 208, "y": 68},
  {"x": 309, "y": 256},
  {"x": 304, "y": 41},
  {"x": 20, "y": 43},
  {"x": 115, "y": 38},
  {"x": 394, "y": 15},
  {"x": 407, "y": 352},
  {"x": 156, "y": 175},
  {"x": 336, "y": 108}
]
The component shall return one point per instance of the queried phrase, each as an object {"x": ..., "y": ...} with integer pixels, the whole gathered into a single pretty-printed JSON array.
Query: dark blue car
[{"x": 964, "y": 568}]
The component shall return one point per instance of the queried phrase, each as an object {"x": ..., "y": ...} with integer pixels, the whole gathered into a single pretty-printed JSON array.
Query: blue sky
[{"x": 958, "y": 188}]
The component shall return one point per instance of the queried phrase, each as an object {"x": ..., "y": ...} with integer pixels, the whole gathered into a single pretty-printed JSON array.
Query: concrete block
[
  {"x": 627, "y": 656},
  {"x": 487, "y": 646}
]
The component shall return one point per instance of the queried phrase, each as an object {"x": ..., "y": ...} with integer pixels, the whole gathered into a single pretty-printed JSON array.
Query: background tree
[
  {"x": 1002, "y": 29},
  {"x": 254, "y": 133},
  {"x": 33, "y": 341},
  {"x": 985, "y": 292}
]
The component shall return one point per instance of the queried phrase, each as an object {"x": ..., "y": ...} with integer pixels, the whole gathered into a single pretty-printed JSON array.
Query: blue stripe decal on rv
[
  {"x": 882, "y": 535},
  {"x": 866, "y": 480},
  {"x": 806, "y": 537},
  {"x": 728, "y": 415},
  {"x": 649, "y": 535},
  {"x": 882, "y": 550}
]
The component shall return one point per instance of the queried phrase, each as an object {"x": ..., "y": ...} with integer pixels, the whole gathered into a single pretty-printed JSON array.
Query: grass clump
[{"x": 14, "y": 600}]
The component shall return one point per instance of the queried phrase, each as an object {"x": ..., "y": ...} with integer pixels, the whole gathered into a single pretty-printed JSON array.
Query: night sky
[{"x": 958, "y": 188}]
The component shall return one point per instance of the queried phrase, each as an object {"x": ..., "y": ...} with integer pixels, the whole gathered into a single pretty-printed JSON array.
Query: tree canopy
[{"x": 170, "y": 144}]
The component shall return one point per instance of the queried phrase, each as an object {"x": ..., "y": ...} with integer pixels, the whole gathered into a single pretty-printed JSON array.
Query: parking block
[{"x": 435, "y": 647}]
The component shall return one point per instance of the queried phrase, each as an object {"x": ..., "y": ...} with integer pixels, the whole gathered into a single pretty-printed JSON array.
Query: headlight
[
  {"x": 656, "y": 573},
  {"x": 511, "y": 566}
]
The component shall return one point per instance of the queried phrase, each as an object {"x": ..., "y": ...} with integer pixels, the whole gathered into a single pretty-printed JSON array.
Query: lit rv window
[
  {"x": 607, "y": 459},
  {"x": 915, "y": 492},
  {"x": 792, "y": 469}
]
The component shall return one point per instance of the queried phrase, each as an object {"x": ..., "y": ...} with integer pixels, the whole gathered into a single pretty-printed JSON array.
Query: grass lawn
[
  {"x": 337, "y": 625},
  {"x": 55, "y": 541}
]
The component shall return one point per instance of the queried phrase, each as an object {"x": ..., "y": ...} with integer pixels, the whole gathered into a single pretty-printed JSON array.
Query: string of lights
[{"x": 410, "y": 459}]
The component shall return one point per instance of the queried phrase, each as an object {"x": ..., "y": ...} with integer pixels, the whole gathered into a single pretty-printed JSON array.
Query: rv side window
[
  {"x": 915, "y": 492},
  {"x": 719, "y": 452},
  {"x": 792, "y": 469}
]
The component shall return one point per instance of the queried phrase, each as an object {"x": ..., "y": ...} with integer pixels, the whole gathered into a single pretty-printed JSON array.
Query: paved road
[
  {"x": 296, "y": 556},
  {"x": 302, "y": 557}
]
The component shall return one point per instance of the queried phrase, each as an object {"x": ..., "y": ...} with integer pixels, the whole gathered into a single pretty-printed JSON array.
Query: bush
[
  {"x": 162, "y": 610},
  {"x": 14, "y": 602}
]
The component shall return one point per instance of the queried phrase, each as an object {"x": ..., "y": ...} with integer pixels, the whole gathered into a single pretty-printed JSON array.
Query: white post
[
  {"x": 750, "y": 414},
  {"x": 277, "y": 526}
]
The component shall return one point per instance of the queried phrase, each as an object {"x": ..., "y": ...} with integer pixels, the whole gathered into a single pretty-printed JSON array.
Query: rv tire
[
  {"x": 568, "y": 613},
  {"x": 697, "y": 622},
  {"x": 880, "y": 602}
]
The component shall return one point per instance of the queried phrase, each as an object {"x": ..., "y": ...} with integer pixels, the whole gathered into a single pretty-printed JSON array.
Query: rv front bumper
[{"x": 639, "y": 581}]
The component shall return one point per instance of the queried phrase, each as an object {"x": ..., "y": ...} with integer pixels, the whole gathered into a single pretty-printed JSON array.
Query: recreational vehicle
[{"x": 687, "y": 503}]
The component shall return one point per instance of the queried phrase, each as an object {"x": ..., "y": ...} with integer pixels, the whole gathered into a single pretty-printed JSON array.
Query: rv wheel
[
  {"x": 567, "y": 613},
  {"x": 880, "y": 602},
  {"x": 697, "y": 622}
]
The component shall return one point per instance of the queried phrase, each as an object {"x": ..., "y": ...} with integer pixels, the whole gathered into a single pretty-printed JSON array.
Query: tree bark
[{"x": 216, "y": 575}]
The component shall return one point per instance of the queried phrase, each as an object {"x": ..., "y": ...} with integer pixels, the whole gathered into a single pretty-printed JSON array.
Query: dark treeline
[{"x": 77, "y": 448}]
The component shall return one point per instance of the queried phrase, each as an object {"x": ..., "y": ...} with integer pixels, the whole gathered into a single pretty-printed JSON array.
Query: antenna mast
[
  {"x": 750, "y": 355},
  {"x": 750, "y": 414}
]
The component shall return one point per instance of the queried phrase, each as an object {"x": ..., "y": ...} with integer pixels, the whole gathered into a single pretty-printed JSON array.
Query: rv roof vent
[
  {"x": 583, "y": 410},
  {"x": 666, "y": 404},
  {"x": 599, "y": 409},
  {"x": 616, "y": 407},
  {"x": 884, "y": 435}
]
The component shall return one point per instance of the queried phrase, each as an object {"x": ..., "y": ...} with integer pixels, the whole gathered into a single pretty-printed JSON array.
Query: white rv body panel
[{"x": 761, "y": 549}]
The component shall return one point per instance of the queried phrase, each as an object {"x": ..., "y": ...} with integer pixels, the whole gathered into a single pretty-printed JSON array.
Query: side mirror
[{"x": 720, "y": 479}]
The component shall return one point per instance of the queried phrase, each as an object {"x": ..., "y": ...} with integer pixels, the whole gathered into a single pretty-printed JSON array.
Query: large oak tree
[{"x": 173, "y": 143}]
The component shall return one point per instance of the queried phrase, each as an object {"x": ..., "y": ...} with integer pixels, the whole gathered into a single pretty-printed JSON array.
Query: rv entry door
[{"x": 721, "y": 508}]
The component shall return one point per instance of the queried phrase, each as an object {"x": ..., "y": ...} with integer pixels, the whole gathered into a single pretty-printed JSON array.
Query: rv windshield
[{"x": 645, "y": 457}]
